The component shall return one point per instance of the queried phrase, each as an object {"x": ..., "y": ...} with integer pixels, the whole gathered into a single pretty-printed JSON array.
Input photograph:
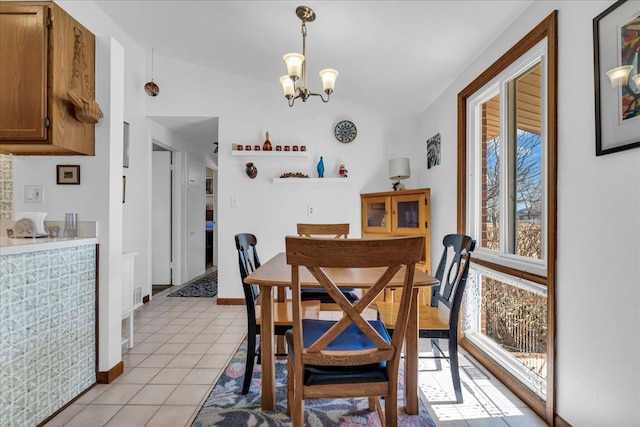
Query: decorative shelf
[
  {"x": 269, "y": 153},
  {"x": 310, "y": 180}
]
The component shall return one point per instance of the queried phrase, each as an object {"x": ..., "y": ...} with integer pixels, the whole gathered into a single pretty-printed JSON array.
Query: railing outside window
[{"x": 506, "y": 317}]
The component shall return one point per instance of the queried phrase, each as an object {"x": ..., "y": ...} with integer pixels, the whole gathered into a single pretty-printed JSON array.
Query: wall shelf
[
  {"x": 269, "y": 153},
  {"x": 310, "y": 180}
]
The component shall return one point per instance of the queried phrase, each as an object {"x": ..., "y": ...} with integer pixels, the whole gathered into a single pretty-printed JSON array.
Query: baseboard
[
  {"x": 230, "y": 301},
  {"x": 109, "y": 376}
]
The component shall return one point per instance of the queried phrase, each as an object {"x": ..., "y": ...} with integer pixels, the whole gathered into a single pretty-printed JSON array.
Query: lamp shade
[
  {"x": 287, "y": 86},
  {"x": 294, "y": 64},
  {"x": 399, "y": 168},
  {"x": 328, "y": 76}
]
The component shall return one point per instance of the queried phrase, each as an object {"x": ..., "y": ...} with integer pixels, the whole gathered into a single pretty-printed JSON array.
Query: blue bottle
[{"x": 320, "y": 168}]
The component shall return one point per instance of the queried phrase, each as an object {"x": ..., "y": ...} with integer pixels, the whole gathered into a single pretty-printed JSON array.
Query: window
[
  {"x": 506, "y": 200},
  {"x": 506, "y": 148}
]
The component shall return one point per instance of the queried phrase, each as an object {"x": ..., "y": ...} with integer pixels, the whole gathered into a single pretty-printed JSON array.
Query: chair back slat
[
  {"x": 248, "y": 261},
  {"x": 456, "y": 247},
  {"x": 319, "y": 256},
  {"x": 336, "y": 230}
]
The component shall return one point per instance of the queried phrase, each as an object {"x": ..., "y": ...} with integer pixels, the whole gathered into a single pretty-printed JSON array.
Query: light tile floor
[{"x": 182, "y": 345}]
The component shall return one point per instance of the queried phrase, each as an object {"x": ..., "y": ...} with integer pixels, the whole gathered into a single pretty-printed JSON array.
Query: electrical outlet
[
  {"x": 235, "y": 202},
  {"x": 310, "y": 210}
]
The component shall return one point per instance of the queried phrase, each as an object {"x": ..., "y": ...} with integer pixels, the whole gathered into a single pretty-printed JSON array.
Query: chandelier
[{"x": 294, "y": 84}]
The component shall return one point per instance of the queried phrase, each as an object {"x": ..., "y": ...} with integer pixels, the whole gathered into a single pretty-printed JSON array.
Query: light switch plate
[{"x": 33, "y": 194}]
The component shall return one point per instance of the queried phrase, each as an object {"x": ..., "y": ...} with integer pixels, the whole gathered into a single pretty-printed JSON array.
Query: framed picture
[
  {"x": 68, "y": 174},
  {"x": 616, "y": 50},
  {"x": 125, "y": 146},
  {"x": 209, "y": 185},
  {"x": 433, "y": 151},
  {"x": 124, "y": 187}
]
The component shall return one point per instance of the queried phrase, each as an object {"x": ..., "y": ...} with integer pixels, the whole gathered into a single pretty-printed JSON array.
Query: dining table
[{"x": 276, "y": 273}]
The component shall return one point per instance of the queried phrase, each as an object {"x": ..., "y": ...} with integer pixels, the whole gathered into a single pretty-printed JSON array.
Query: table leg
[
  {"x": 266, "y": 339},
  {"x": 411, "y": 359}
]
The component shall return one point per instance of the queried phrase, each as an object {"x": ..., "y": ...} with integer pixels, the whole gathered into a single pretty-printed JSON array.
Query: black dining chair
[
  {"x": 249, "y": 261},
  {"x": 435, "y": 322}
]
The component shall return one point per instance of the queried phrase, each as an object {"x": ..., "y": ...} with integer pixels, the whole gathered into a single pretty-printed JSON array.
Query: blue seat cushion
[
  {"x": 351, "y": 338},
  {"x": 317, "y": 294}
]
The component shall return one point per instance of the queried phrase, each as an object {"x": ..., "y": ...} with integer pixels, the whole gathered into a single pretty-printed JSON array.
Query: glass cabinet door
[
  {"x": 376, "y": 212},
  {"x": 408, "y": 213}
]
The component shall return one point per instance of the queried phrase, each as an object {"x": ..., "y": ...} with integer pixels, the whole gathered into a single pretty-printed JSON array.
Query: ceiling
[{"x": 395, "y": 55}]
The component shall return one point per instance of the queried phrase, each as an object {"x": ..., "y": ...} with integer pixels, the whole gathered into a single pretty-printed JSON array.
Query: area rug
[
  {"x": 206, "y": 286},
  {"x": 225, "y": 406}
]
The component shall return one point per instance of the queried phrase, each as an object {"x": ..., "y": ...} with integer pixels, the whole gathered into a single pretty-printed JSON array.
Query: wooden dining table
[{"x": 276, "y": 273}]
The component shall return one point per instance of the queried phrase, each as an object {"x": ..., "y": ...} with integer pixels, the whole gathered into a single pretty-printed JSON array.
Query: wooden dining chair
[
  {"x": 282, "y": 311},
  {"x": 351, "y": 357},
  {"x": 336, "y": 231},
  {"x": 440, "y": 319}
]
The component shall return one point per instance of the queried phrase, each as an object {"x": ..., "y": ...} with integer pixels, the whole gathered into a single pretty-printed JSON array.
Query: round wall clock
[{"x": 345, "y": 131}]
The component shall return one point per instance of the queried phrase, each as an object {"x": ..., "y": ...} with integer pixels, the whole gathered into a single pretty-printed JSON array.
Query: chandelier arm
[{"x": 321, "y": 97}]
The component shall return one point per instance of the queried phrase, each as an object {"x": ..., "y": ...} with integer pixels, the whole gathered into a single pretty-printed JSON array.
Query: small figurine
[
  {"x": 267, "y": 144},
  {"x": 252, "y": 171},
  {"x": 343, "y": 171},
  {"x": 320, "y": 168}
]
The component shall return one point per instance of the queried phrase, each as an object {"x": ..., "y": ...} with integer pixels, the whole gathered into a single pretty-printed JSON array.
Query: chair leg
[
  {"x": 297, "y": 405},
  {"x": 374, "y": 405},
  {"x": 390, "y": 418},
  {"x": 248, "y": 369},
  {"x": 289, "y": 385},
  {"x": 435, "y": 347},
  {"x": 455, "y": 373}
]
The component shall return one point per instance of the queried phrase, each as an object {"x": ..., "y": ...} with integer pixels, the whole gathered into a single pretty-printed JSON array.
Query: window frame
[
  {"x": 547, "y": 28},
  {"x": 499, "y": 86}
]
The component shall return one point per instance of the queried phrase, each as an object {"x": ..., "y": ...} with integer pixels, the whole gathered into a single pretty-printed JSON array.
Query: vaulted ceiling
[{"x": 397, "y": 56}]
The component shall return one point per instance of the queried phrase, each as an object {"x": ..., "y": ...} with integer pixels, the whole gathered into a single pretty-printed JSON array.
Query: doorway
[
  {"x": 162, "y": 219},
  {"x": 210, "y": 227}
]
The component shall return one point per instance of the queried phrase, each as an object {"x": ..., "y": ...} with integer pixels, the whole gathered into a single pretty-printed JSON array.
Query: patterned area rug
[
  {"x": 206, "y": 286},
  {"x": 225, "y": 406}
]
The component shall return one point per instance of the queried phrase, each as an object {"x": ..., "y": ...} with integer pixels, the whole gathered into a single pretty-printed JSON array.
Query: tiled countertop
[{"x": 10, "y": 246}]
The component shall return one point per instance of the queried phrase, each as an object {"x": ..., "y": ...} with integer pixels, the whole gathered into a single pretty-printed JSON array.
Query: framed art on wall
[
  {"x": 68, "y": 174},
  {"x": 616, "y": 49}
]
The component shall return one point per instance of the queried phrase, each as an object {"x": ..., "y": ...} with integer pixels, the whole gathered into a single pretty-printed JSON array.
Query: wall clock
[{"x": 345, "y": 131}]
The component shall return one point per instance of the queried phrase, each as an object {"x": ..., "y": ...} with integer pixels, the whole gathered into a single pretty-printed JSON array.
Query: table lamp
[{"x": 399, "y": 169}]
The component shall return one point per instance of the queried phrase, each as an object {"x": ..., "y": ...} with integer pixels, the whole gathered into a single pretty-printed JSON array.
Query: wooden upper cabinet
[
  {"x": 23, "y": 87},
  {"x": 37, "y": 47}
]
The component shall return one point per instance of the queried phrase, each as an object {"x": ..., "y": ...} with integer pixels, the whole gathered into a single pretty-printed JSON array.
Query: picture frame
[
  {"x": 68, "y": 174},
  {"x": 124, "y": 188},
  {"x": 433, "y": 151},
  {"x": 125, "y": 146},
  {"x": 209, "y": 185},
  {"x": 617, "y": 109}
]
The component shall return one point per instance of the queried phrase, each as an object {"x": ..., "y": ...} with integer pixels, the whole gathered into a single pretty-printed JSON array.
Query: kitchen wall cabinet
[
  {"x": 399, "y": 213},
  {"x": 37, "y": 46}
]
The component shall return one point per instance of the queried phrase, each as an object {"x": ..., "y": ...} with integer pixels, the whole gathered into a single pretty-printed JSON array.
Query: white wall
[
  {"x": 598, "y": 265},
  {"x": 246, "y": 110}
]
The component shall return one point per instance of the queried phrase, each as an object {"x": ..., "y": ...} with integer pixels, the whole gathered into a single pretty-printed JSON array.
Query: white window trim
[{"x": 474, "y": 194}]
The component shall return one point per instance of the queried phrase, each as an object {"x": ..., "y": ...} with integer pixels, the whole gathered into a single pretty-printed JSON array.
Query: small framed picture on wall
[{"x": 68, "y": 174}]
